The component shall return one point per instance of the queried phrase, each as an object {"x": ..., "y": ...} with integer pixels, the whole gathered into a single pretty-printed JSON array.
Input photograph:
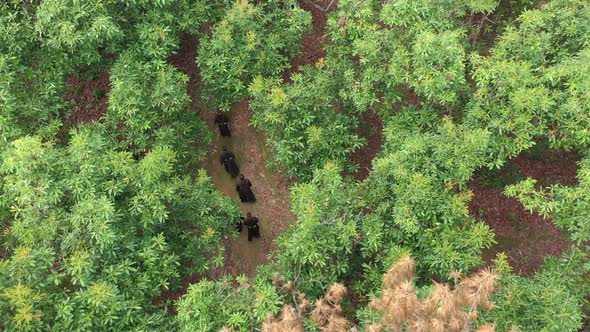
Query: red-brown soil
[
  {"x": 312, "y": 42},
  {"x": 551, "y": 167},
  {"x": 184, "y": 60},
  {"x": 371, "y": 128},
  {"x": 525, "y": 237},
  {"x": 88, "y": 98}
]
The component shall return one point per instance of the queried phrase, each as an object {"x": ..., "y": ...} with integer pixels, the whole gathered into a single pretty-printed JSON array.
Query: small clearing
[{"x": 247, "y": 143}]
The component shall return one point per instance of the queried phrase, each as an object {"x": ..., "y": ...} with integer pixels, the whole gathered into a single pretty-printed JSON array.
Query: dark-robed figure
[
  {"x": 229, "y": 162},
  {"x": 222, "y": 122},
  {"x": 243, "y": 189},
  {"x": 252, "y": 224}
]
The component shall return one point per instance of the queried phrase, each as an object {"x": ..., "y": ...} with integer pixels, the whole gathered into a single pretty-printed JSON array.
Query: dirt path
[
  {"x": 247, "y": 143},
  {"x": 312, "y": 42},
  {"x": 271, "y": 190}
]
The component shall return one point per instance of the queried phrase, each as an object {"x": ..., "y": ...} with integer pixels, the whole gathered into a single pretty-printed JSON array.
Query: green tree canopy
[{"x": 93, "y": 234}]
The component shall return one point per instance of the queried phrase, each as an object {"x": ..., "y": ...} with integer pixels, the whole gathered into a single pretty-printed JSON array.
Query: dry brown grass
[
  {"x": 290, "y": 320},
  {"x": 452, "y": 309},
  {"x": 326, "y": 312},
  {"x": 446, "y": 309}
]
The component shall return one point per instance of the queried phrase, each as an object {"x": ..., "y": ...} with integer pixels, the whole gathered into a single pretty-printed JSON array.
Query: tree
[
  {"x": 316, "y": 251},
  {"x": 444, "y": 308},
  {"x": 252, "y": 40},
  {"x": 399, "y": 44},
  {"x": 526, "y": 88},
  {"x": 31, "y": 78},
  {"x": 79, "y": 29},
  {"x": 239, "y": 304},
  {"x": 305, "y": 121},
  {"x": 149, "y": 107},
  {"x": 550, "y": 300},
  {"x": 92, "y": 235},
  {"x": 417, "y": 199}
]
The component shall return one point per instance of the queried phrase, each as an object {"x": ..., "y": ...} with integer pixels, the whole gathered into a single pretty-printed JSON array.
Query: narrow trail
[
  {"x": 272, "y": 191},
  {"x": 247, "y": 143}
]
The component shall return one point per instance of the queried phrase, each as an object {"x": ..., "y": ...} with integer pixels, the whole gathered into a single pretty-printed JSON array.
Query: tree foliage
[
  {"x": 316, "y": 251},
  {"x": 418, "y": 200},
  {"x": 149, "y": 108},
  {"x": 305, "y": 128},
  {"x": 551, "y": 300},
  {"x": 534, "y": 83},
  {"x": 31, "y": 78},
  {"x": 94, "y": 234},
  {"x": 420, "y": 44},
  {"x": 239, "y": 304},
  {"x": 98, "y": 222},
  {"x": 566, "y": 206},
  {"x": 252, "y": 39}
]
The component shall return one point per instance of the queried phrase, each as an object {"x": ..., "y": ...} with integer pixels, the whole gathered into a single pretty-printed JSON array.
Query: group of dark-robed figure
[{"x": 244, "y": 186}]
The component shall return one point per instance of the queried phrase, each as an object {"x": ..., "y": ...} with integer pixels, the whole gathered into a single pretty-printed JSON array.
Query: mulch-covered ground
[
  {"x": 525, "y": 237},
  {"x": 371, "y": 128},
  {"x": 312, "y": 42},
  {"x": 87, "y": 98},
  {"x": 550, "y": 167}
]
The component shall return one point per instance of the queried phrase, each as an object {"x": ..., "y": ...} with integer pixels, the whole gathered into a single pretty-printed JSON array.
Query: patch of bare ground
[
  {"x": 371, "y": 128},
  {"x": 550, "y": 167},
  {"x": 312, "y": 42},
  {"x": 525, "y": 237},
  {"x": 87, "y": 98},
  {"x": 247, "y": 143},
  {"x": 184, "y": 60}
]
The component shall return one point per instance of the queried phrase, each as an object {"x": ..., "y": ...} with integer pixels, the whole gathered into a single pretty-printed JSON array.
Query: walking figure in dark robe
[
  {"x": 229, "y": 162},
  {"x": 243, "y": 189},
  {"x": 222, "y": 122},
  {"x": 252, "y": 225}
]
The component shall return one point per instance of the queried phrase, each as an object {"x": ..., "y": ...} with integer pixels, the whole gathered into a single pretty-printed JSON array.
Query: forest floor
[
  {"x": 525, "y": 237},
  {"x": 371, "y": 128},
  {"x": 87, "y": 97}
]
